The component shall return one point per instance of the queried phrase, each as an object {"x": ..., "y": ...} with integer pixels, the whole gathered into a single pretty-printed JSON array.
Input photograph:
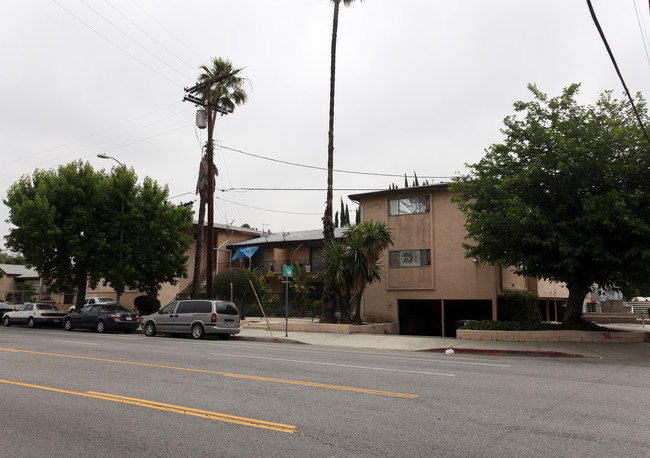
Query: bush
[
  {"x": 519, "y": 307},
  {"x": 489, "y": 325},
  {"x": 146, "y": 305},
  {"x": 243, "y": 294}
]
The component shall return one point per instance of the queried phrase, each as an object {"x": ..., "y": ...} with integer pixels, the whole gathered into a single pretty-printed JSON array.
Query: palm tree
[
  {"x": 327, "y": 316},
  {"x": 366, "y": 242},
  {"x": 225, "y": 95},
  {"x": 301, "y": 285},
  {"x": 336, "y": 274},
  {"x": 355, "y": 264}
]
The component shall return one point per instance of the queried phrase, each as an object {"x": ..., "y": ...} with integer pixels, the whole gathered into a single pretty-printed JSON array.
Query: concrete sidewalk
[{"x": 255, "y": 329}]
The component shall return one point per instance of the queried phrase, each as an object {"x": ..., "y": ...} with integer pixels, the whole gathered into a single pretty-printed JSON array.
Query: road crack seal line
[
  {"x": 226, "y": 374},
  {"x": 168, "y": 408}
]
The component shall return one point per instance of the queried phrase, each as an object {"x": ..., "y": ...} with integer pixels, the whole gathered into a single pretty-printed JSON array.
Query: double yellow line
[
  {"x": 226, "y": 374},
  {"x": 169, "y": 408}
]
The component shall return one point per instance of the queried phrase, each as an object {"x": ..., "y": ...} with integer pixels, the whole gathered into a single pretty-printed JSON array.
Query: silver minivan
[{"x": 196, "y": 317}]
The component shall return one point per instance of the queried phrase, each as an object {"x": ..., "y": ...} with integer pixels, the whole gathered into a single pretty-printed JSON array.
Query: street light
[{"x": 104, "y": 156}]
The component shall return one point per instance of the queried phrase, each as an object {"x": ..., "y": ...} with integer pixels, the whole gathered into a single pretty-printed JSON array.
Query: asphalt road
[{"x": 85, "y": 394}]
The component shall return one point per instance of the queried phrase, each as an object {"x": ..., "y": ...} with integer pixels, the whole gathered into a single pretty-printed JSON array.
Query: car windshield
[{"x": 104, "y": 299}]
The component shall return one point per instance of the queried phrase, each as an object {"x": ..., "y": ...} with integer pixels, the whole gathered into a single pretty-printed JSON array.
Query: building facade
[{"x": 429, "y": 284}]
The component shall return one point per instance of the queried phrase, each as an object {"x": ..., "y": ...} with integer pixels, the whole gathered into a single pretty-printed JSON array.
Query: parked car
[
  {"x": 4, "y": 308},
  {"x": 33, "y": 314},
  {"x": 194, "y": 317},
  {"x": 102, "y": 318}
]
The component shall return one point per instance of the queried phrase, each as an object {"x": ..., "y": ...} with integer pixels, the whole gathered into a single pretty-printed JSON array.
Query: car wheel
[
  {"x": 197, "y": 331},
  {"x": 6, "y": 321},
  {"x": 100, "y": 327},
  {"x": 149, "y": 329},
  {"x": 31, "y": 323},
  {"x": 67, "y": 324}
]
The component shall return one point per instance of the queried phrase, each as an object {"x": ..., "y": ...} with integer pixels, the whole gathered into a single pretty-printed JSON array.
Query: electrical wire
[
  {"x": 314, "y": 167},
  {"x": 116, "y": 45},
  {"x": 618, "y": 72},
  {"x": 266, "y": 209},
  {"x": 644, "y": 36},
  {"x": 151, "y": 37},
  {"x": 131, "y": 38}
]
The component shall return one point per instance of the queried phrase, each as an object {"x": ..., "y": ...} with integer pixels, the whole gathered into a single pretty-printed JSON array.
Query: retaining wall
[{"x": 553, "y": 336}]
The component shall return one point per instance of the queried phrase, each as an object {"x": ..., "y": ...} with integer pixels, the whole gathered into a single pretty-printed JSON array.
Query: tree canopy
[
  {"x": 68, "y": 225},
  {"x": 566, "y": 196}
]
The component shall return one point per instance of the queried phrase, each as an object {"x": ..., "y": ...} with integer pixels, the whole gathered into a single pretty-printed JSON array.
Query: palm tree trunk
[
  {"x": 327, "y": 315},
  {"x": 196, "y": 277}
]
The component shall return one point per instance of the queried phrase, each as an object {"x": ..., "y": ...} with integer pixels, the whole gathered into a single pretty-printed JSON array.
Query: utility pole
[{"x": 211, "y": 108}]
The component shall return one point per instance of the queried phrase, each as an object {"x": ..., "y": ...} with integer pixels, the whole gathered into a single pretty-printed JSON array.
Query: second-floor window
[
  {"x": 410, "y": 258},
  {"x": 408, "y": 206}
]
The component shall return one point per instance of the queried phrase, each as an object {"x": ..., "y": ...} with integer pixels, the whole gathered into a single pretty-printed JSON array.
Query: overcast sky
[{"x": 421, "y": 85}]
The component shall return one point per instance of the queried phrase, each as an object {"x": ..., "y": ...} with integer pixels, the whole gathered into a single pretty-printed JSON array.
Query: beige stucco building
[{"x": 428, "y": 282}]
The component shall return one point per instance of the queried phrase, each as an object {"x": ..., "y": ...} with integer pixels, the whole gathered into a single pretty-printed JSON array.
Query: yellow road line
[
  {"x": 226, "y": 374},
  {"x": 169, "y": 408}
]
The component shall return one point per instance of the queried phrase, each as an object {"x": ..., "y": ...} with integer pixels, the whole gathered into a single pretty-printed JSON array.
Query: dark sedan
[{"x": 102, "y": 318}]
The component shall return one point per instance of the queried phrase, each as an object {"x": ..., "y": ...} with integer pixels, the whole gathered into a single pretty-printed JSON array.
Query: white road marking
[
  {"x": 76, "y": 342},
  {"x": 336, "y": 364},
  {"x": 449, "y": 361}
]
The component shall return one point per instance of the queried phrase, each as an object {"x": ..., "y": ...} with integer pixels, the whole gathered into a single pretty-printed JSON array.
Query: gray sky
[{"x": 422, "y": 85}]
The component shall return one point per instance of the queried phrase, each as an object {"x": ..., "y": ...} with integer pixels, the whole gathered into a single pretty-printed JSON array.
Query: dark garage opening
[
  {"x": 465, "y": 310},
  {"x": 420, "y": 317}
]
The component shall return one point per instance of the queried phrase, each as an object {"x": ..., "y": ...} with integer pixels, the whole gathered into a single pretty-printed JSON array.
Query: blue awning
[{"x": 246, "y": 252}]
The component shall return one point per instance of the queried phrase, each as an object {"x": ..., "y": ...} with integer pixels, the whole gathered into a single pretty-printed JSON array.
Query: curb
[
  {"x": 265, "y": 339},
  {"x": 481, "y": 351}
]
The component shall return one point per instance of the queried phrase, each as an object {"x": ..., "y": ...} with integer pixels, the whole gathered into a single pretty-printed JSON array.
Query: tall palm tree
[
  {"x": 327, "y": 316},
  {"x": 226, "y": 95}
]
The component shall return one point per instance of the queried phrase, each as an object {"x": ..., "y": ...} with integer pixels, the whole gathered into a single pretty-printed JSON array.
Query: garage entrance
[
  {"x": 465, "y": 310},
  {"x": 420, "y": 317}
]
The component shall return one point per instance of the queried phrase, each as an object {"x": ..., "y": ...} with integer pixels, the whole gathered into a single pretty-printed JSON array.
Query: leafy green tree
[
  {"x": 226, "y": 95},
  {"x": 566, "y": 196},
  {"x": 155, "y": 240},
  {"x": 327, "y": 316},
  {"x": 8, "y": 258},
  {"x": 243, "y": 284},
  {"x": 68, "y": 223}
]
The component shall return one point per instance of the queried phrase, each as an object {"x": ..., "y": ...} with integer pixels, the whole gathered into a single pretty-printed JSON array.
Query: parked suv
[{"x": 196, "y": 317}]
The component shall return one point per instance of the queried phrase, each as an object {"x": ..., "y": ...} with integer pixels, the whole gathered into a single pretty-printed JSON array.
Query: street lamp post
[{"x": 104, "y": 156}]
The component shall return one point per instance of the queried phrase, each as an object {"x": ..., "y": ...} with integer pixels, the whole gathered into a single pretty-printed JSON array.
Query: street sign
[{"x": 287, "y": 271}]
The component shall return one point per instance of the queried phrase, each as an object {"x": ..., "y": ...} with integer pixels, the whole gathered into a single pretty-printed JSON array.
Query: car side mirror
[{"x": 160, "y": 312}]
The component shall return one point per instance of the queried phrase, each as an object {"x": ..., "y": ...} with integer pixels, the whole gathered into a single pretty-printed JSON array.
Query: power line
[
  {"x": 129, "y": 37},
  {"x": 151, "y": 37},
  {"x": 325, "y": 168},
  {"x": 644, "y": 36},
  {"x": 116, "y": 45},
  {"x": 266, "y": 209},
  {"x": 300, "y": 189},
  {"x": 618, "y": 72}
]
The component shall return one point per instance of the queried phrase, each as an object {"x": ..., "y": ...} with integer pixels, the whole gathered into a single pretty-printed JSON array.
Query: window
[
  {"x": 169, "y": 308},
  {"x": 408, "y": 206},
  {"x": 316, "y": 254},
  {"x": 195, "y": 307},
  {"x": 227, "y": 308},
  {"x": 410, "y": 258}
]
